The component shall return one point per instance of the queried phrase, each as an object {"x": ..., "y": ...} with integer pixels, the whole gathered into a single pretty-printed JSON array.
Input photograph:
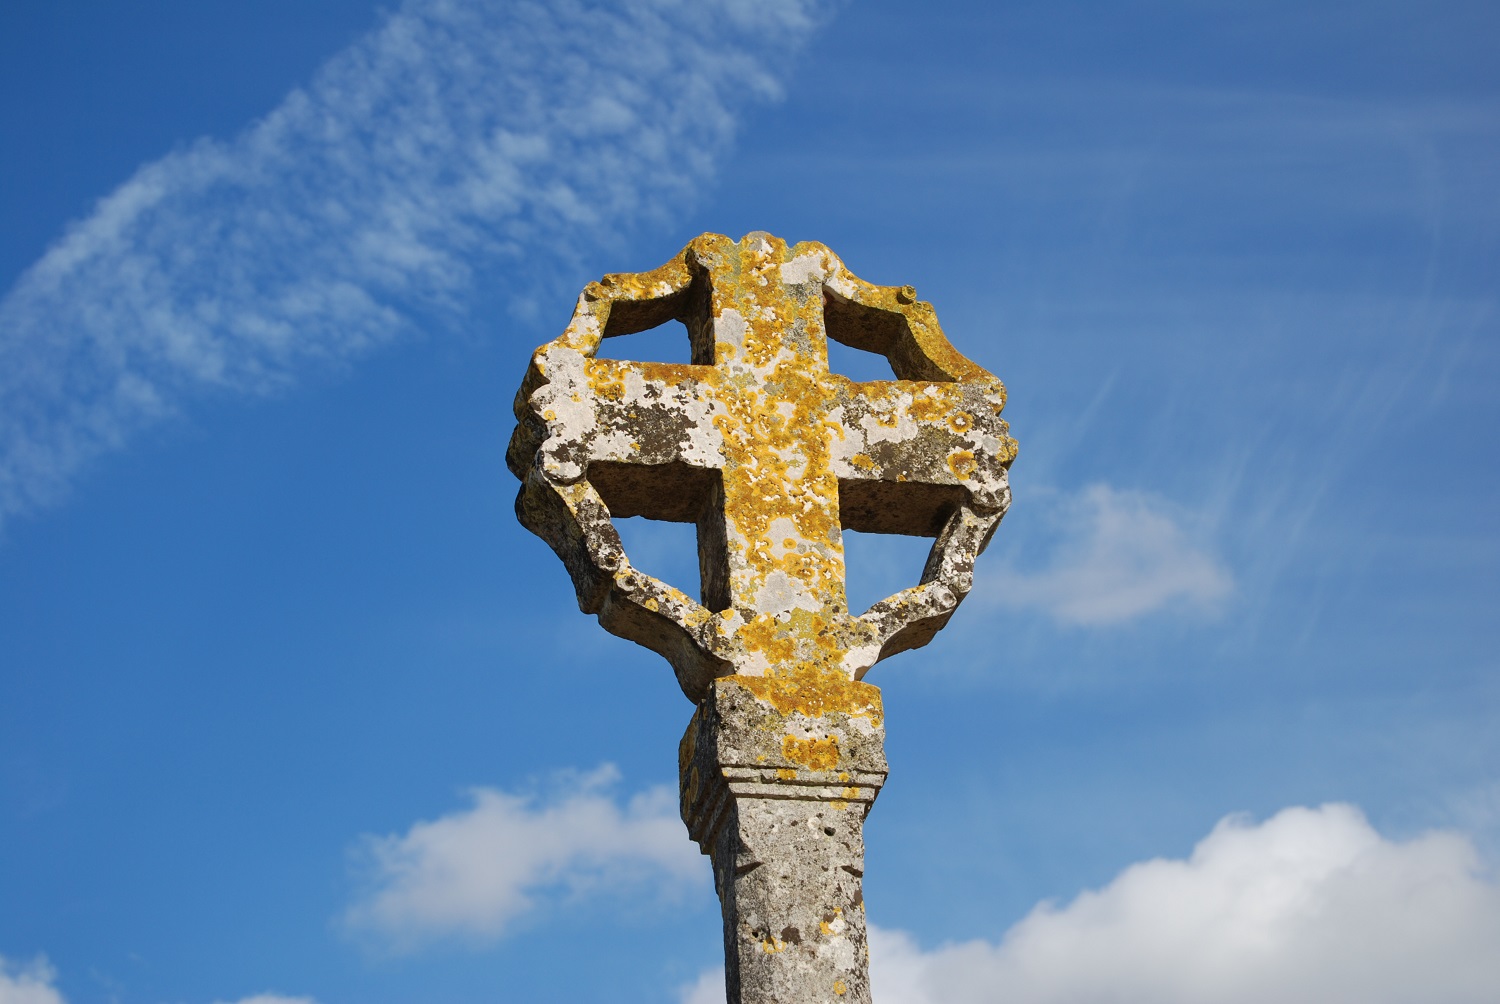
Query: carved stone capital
[{"x": 776, "y": 781}]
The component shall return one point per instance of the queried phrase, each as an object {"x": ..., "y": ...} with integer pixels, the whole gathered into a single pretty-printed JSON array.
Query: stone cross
[{"x": 772, "y": 456}]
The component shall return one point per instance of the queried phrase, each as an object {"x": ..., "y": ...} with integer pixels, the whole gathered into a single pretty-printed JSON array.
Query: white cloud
[
  {"x": 1118, "y": 555},
  {"x": 708, "y": 988},
  {"x": 475, "y": 872},
  {"x": 1312, "y": 905},
  {"x": 28, "y": 984},
  {"x": 463, "y": 146},
  {"x": 34, "y": 984}
]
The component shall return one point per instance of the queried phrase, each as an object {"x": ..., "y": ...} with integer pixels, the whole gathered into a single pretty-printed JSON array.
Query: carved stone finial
[{"x": 769, "y": 453}]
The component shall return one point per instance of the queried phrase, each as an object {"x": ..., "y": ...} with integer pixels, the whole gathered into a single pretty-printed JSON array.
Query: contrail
[{"x": 458, "y": 146}]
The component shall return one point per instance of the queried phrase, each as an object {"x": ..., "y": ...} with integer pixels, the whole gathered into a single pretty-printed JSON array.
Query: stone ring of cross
[{"x": 769, "y": 453}]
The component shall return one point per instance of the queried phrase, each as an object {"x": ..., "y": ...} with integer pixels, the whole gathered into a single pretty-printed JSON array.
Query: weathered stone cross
[{"x": 772, "y": 456}]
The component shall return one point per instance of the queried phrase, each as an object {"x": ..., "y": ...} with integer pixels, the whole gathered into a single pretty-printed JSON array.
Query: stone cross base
[{"x": 777, "y": 775}]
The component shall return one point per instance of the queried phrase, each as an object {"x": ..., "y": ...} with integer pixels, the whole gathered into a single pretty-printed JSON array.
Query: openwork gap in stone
[{"x": 770, "y": 454}]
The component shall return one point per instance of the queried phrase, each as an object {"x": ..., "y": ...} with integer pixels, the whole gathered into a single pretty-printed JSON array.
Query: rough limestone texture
[
  {"x": 769, "y": 453},
  {"x": 776, "y": 783},
  {"x": 772, "y": 456}
]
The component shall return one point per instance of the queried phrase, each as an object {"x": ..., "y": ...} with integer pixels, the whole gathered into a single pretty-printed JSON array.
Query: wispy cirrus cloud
[
  {"x": 473, "y": 874},
  {"x": 463, "y": 146},
  {"x": 1115, "y": 556}
]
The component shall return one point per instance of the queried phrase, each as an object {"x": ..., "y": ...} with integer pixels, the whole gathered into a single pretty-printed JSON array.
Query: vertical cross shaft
[
  {"x": 776, "y": 781},
  {"x": 785, "y": 549}
]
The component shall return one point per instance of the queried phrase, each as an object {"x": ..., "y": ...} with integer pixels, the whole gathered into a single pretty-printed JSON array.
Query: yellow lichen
[
  {"x": 812, "y": 694},
  {"x": 814, "y": 754},
  {"x": 962, "y": 463}
]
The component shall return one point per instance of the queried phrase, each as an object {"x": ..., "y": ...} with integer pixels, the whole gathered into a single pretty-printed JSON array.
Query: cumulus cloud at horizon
[
  {"x": 476, "y": 873},
  {"x": 1310, "y": 906},
  {"x": 36, "y": 983},
  {"x": 462, "y": 147}
]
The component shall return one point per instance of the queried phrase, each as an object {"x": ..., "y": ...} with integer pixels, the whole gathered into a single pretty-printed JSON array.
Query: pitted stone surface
[
  {"x": 769, "y": 453},
  {"x": 776, "y": 790}
]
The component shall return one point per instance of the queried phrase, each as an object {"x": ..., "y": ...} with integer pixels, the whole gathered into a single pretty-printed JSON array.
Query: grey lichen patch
[{"x": 769, "y": 453}]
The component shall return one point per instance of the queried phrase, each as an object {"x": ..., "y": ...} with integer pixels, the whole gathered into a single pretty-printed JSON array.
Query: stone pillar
[{"x": 777, "y": 775}]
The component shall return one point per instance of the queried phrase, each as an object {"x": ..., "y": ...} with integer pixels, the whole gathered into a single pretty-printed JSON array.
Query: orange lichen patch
[
  {"x": 839, "y": 987},
  {"x": 788, "y": 774},
  {"x": 610, "y": 387},
  {"x": 814, "y": 754},
  {"x": 862, "y": 461},
  {"x": 961, "y": 421},
  {"x": 962, "y": 463},
  {"x": 813, "y": 694},
  {"x": 930, "y": 407},
  {"x": 765, "y": 636}
]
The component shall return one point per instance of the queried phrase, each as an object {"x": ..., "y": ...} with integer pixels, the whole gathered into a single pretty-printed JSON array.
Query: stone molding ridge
[
  {"x": 735, "y": 750},
  {"x": 705, "y": 813}
]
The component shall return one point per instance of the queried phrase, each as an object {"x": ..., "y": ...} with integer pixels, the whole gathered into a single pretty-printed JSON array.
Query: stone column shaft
[{"x": 777, "y": 777}]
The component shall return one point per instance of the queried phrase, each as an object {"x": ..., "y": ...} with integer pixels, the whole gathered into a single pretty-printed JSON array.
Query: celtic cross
[{"x": 772, "y": 456}]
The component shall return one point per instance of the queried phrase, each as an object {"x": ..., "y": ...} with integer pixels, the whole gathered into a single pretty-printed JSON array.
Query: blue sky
[{"x": 292, "y": 709}]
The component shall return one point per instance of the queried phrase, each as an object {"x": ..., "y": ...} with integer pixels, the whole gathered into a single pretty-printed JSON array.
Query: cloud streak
[
  {"x": 475, "y": 873},
  {"x": 460, "y": 149},
  {"x": 1117, "y": 556}
]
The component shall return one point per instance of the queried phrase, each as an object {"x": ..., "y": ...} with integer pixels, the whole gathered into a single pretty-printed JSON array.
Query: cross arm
[
  {"x": 922, "y": 459},
  {"x": 599, "y": 437}
]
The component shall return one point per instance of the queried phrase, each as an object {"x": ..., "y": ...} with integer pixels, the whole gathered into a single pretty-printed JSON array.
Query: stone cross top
[{"x": 772, "y": 456}]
